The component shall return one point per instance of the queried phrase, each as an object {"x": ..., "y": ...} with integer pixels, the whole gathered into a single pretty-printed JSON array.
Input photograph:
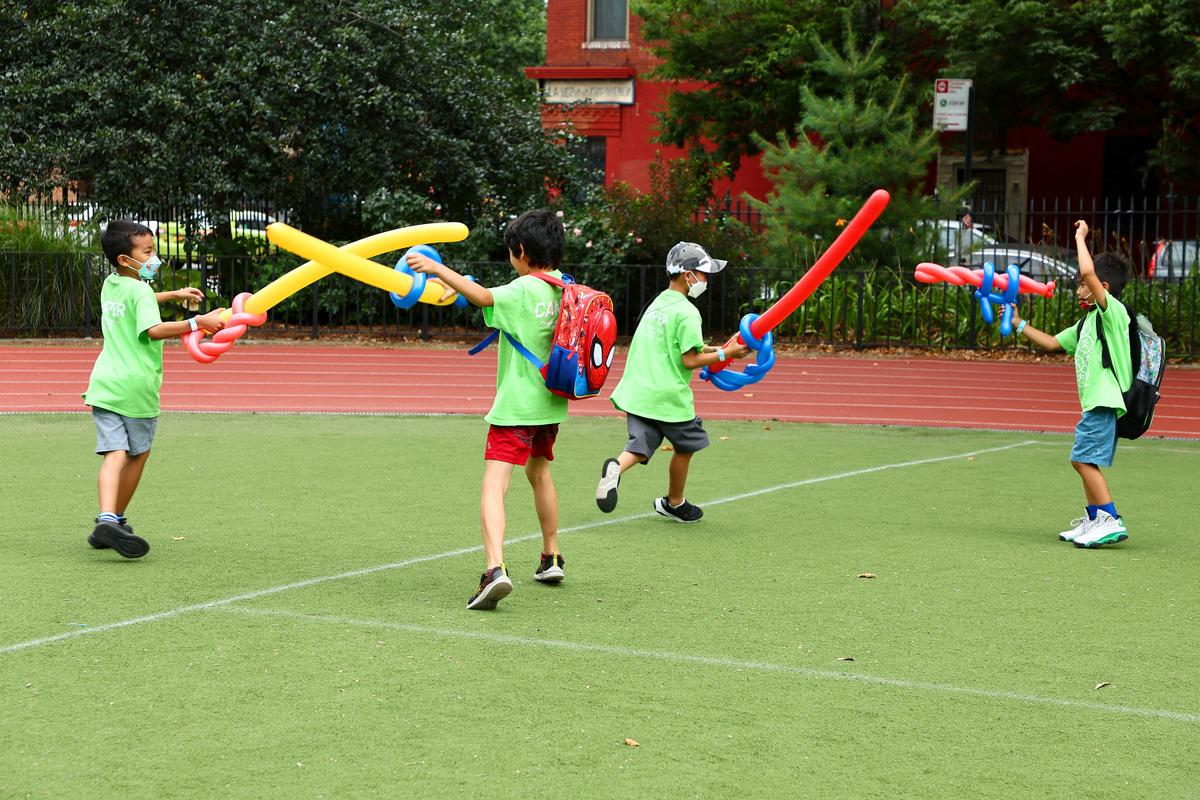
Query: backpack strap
[
  {"x": 1135, "y": 345},
  {"x": 553, "y": 281},
  {"x": 520, "y": 348}
]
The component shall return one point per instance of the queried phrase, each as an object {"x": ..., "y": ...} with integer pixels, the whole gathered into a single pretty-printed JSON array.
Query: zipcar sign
[{"x": 950, "y": 98}]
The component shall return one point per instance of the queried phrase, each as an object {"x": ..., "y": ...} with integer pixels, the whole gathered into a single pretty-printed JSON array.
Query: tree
[
  {"x": 300, "y": 101},
  {"x": 849, "y": 143},
  {"x": 741, "y": 65}
]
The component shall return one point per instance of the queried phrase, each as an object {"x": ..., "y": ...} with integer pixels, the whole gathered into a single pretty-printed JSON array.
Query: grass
[{"x": 976, "y": 650}]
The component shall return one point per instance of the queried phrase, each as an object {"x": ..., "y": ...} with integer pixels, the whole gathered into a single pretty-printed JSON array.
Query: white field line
[
  {"x": 358, "y": 573},
  {"x": 728, "y": 663}
]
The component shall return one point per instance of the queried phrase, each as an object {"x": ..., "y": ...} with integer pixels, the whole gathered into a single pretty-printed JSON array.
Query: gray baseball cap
[{"x": 689, "y": 256}]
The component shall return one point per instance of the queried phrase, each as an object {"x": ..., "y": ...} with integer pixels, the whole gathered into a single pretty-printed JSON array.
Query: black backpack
[{"x": 1147, "y": 352}]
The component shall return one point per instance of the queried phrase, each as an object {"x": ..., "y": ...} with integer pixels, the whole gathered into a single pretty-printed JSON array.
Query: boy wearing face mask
[
  {"x": 654, "y": 392},
  {"x": 1100, "y": 388},
  {"x": 123, "y": 390}
]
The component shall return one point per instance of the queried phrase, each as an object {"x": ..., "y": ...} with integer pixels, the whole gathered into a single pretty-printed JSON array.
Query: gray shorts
[
  {"x": 645, "y": 435},
  {"x": 117, "y": 432}
]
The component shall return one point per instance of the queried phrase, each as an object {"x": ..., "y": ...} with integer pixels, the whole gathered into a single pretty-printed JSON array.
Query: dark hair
[
  {"x": 1113, "y": 269},
  {"x": 540, "y": 234},
  {"x": 118, "y": 236}
]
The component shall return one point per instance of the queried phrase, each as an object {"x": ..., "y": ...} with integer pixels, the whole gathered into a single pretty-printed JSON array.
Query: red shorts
[{"x": 516, "y": 444}]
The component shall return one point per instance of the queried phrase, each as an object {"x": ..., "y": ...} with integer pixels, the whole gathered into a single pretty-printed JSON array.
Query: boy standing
[
  {"x": 525, "y": 415},
  {"x": 123, "y": 390},
  {"x": 1100, "y": 388},
  {"x": 654, "y": 393}
]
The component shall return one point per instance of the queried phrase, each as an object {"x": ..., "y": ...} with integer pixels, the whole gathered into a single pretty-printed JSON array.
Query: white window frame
[{"x": 592, "y": 41}]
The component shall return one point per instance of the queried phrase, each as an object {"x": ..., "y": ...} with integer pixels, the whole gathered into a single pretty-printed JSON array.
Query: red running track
[{"x": 936, "y": 392}]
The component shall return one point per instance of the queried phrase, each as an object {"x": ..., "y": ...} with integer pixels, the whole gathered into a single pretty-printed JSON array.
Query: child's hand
[
  {"x": 188, "y": 294},
  {"x": 420, "y": 263},
  {"x": 1081, "y": 229},
  {"x": 1016, "y": 315},
  {"x": 211, "y": 321},
  {"x": 737, "y": 350}
]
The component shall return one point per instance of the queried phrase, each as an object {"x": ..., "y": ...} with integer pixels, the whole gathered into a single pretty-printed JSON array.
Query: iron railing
[{"x": 58, "y": 295}]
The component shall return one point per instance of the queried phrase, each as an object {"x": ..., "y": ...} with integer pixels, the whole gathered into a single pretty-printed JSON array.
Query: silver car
[
  {"x": 1173, "y": 260},
  {"x": 1031, "y": 261}
]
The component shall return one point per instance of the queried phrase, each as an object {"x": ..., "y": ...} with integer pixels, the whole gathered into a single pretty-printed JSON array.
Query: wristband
[
  {"x": 192, "y": 323},
  {"x": 720, "y": 355},
  {"x": 1021, "y": 327}
]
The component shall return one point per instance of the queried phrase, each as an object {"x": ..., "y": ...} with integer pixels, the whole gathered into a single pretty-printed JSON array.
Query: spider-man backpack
[{"x": 584, "y": 342}]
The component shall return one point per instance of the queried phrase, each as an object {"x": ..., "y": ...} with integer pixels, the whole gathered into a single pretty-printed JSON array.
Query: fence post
[
  {"x": 316, "y": 290},
  {"x": 87, "y": 297},
  {"x": 858, "y": 326}
]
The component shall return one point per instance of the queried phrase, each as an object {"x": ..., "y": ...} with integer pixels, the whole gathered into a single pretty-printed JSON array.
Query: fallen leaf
[
  {"x": 970, "y": 458},
  {"x": 1100, "y": 685},
  {"x": 724, "y": 438},
  {"x": 178, "y": 538},
  {"x": 867, "y": 575},
  {"x": 766, "y": 427},
  {"x": 749, "y": 394},
  {"x": 846, "y": 658},
  {"x": 666, "y": 448},
  {"x": 632, "y": 742}
]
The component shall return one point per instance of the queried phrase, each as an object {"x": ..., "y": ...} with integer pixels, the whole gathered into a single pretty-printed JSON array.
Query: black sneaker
[
  {"x": 550, "y": 570},
  {"x": 606, "y": 490},
  {"x": 119, "y": 538},
  {"x": 494, "y": 586},
  {"x": 684, "y": 512}
]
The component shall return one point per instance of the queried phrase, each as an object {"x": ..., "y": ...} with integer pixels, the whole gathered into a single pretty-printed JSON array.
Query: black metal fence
[{"x": 58, "y": 295}]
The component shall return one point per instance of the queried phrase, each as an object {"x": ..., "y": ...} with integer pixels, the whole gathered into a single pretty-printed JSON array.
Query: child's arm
[
  {"x": 712, "y": 355},
  {"x": 210, "y": 322},
  {"x": 1087, "y": 269},
  {"x": 1040, "y": 338},
  {"x": 477, "y": 295},
  {"x": 181, "y": 295}
]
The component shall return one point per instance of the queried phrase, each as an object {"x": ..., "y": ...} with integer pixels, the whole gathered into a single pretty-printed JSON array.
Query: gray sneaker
[
  {"x": 119, "y": 538},
  {"x": 494, "y": 586}
]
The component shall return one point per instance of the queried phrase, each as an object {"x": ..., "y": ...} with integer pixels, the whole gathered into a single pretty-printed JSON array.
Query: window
[
  {"x": 609, "y": 20},
  {"x": 591, "y": 153}
]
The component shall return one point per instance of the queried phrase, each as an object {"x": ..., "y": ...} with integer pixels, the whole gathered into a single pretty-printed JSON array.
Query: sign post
[{"x": 954, "y": 110}]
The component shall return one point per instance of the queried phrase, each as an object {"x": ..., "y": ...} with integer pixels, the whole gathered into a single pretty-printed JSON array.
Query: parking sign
[{"x": 951, "y": 98}]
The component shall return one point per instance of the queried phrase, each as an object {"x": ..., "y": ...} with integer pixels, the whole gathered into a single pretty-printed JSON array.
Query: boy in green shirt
[
  {"x": 124, "y": 387},
  {"x": 654, "y": 392},
  {"x": 1100, "y": 389},
  {"x": 525, "y": 415}
]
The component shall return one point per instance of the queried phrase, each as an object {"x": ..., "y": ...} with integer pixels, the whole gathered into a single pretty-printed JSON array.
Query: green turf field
[{"x": 298, "y": 629}]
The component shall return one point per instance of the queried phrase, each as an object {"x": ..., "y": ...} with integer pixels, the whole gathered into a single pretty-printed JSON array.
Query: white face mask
[{"x": 696, "y": 289}]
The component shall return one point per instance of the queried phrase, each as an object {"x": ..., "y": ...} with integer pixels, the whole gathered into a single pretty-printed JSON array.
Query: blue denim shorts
[{"x": 1096, "y": 437}]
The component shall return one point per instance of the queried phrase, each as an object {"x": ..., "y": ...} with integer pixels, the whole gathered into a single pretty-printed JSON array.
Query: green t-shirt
[
  {"x": 655, "y": 383},
  {"x": 127, "y": 376},
  {"x": 526, "y": 309},
  {"x": 1098, "y": 387}
]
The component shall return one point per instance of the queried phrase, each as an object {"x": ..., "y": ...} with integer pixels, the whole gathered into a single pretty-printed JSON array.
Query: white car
[
  {"x": 1173, "y": 260},
  {"x": 1033, "y": 262},
  {"x": 951, "y": 235}
]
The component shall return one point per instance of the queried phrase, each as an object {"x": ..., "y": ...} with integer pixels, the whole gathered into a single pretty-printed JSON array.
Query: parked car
[
  {"x": 1031, "y": 261},
  {"x": 952, "y": 237},
  {"x": 1173, "y": 260}
]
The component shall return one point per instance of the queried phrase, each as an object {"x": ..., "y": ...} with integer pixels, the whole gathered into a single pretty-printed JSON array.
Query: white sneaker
[
  {"x": 1106, "y": 529},
  {"x": 1078, "y": 528}
]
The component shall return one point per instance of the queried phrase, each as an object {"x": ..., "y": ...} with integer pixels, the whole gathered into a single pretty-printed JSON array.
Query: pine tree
[{"x": 860, "y": 136}]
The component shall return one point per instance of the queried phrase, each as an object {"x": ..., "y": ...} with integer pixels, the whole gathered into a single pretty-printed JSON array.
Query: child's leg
[
  {"x": 678, "y": 472},
  {"x": 1095, "y": 487},
  {"x": 496, "y": 477},
  {"x": 130, "y": 476},
  {"x": 628, "y": 459},
  {"x": 545, "y": 500},
  {"x": 108, "y": 483}
]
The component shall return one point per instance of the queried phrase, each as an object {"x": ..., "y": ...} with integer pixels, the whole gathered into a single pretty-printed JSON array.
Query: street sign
[{"x": 951, "y": 104}]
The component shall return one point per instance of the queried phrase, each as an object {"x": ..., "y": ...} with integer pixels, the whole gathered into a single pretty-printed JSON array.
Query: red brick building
[{"x": 595, "y": 79}]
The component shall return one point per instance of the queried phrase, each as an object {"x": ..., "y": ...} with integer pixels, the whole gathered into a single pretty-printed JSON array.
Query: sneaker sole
[
  {"x": 606, "y": 498},
  {"x": 96, "y": 543},
  {"x": 493, "y": 594},
  {"x": 552, "y": 575},
  {"x": 127, "y": 544},
  {"x": 658, "y": 507},
  {"x": 1112, "y": 538}
]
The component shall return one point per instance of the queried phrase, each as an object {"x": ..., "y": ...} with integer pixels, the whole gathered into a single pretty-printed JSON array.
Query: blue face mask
[{"x": 147, "y": 271}]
